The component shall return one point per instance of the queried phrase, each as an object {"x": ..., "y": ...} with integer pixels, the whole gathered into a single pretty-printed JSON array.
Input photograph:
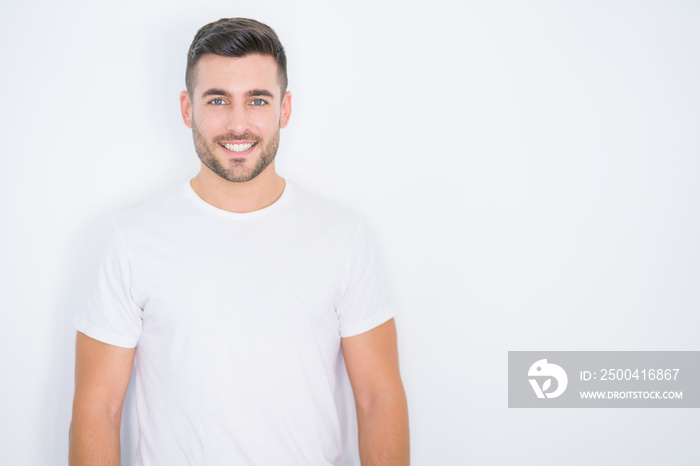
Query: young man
[{"x": 233, "y": 294}]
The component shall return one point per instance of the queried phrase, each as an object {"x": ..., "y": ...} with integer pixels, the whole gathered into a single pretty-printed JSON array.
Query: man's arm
[
  {"x": 102, "y": 375},
  {"x": 372, "y": 362}
]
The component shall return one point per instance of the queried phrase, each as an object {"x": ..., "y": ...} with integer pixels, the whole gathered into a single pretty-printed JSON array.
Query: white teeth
[{"x": 238, "y": 147}]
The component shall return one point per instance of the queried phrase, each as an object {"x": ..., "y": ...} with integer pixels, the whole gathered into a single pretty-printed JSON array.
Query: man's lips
[{"x": 238, "y": 148}]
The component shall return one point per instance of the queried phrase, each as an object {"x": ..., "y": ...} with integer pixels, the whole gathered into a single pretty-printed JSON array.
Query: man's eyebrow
[
  {"x": 259, "y": 92},
  {"x": 250, "y": 93},
  {"x": 215, "y": 92}
]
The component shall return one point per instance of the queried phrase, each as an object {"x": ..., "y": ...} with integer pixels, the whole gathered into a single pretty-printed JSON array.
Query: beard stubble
[{"x": 235, "y": 168}]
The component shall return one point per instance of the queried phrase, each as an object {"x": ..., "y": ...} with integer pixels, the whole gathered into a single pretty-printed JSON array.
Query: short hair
[{"x": 235, "y": 37}]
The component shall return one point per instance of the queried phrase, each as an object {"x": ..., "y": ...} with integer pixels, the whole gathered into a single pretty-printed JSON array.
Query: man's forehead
[{"x": 237, "y": 75}]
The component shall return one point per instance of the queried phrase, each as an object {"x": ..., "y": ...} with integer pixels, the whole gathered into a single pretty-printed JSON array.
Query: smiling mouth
[{"x": 237, "y": 147}]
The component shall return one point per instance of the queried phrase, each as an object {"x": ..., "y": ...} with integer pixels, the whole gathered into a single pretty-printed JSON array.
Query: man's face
[{"x": 236, "y": 111}]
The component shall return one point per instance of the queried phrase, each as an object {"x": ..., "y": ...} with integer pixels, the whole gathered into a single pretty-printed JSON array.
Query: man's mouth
[{"x": 242, "y": 147}]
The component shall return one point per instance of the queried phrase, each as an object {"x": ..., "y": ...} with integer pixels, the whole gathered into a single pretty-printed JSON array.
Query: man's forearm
[
  {"x": 383, "y": 432},
  {"x": 94, "y": 440}
]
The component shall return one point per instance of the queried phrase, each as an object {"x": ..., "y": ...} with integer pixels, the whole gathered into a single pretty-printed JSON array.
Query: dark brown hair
[{"x": 235, "y": 37}]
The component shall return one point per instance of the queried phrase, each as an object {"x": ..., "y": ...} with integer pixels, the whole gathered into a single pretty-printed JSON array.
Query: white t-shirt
[{"x": 236, "y": 319}]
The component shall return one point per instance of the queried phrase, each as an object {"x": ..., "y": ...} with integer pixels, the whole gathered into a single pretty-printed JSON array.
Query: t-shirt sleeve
[
  {"x": 368, "y": 300},
  {"x": 109, "y": 313}
]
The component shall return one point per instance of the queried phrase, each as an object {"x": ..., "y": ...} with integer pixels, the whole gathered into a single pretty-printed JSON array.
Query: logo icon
[{"x": 543, "y": 370}]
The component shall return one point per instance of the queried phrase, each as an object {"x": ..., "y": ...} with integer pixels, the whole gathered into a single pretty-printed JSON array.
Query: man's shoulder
[
  {"x": 323, "y": 208},
  {"x": 158, "y": 210}
]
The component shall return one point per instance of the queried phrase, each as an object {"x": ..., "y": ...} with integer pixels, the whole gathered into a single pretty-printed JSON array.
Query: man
[{"x": 233, "y": 294}]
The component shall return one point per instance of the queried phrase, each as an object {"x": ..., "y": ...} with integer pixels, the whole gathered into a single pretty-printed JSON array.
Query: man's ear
[
  {"x": 286, "y": 109},
  {"x": 186, "y": 108}
]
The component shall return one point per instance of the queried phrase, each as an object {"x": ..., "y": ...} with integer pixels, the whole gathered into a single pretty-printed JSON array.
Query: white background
[{"x": 530, "y": 170}]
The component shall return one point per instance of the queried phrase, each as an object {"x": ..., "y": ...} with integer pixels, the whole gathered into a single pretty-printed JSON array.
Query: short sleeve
[
  {"x": 368, "y": 300},
  {"x": 109, "y": 313}
]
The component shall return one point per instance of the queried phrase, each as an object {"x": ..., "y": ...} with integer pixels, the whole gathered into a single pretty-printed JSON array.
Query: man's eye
[
  {"x": 258, "y": 102},
  {"x": 217, "y": 101}
]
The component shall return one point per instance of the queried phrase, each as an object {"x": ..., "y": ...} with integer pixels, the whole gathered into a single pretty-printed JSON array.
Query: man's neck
[{"x": 256, "y": 194}]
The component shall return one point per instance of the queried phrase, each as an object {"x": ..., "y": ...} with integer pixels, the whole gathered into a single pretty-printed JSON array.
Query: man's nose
[{"x": 237, "y": 119}]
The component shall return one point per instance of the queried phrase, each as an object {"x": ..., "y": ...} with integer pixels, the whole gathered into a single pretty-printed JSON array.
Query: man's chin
[{"x": 241, "y": 171}]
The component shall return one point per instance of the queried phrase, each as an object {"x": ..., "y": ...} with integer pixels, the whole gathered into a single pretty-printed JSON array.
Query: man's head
[
  {"x": 236, "y": 99},
  {"x": 236, "y": 38}
]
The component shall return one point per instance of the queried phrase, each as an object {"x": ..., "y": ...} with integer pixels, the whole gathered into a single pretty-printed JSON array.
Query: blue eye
[
  {"x": 217, "y": 101},
  {"x": 258, "y": 102}
]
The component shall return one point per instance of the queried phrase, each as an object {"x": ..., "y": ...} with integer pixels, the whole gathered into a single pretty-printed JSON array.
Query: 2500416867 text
[{"x": 631, "y": 374}]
